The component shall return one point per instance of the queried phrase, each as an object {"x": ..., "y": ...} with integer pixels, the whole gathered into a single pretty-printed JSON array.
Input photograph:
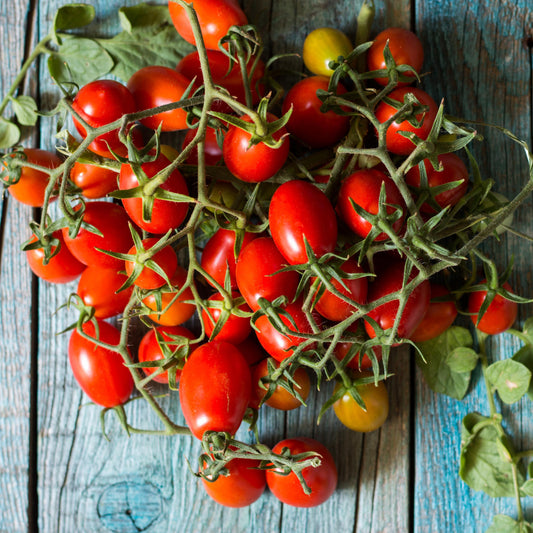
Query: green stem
[{"x": 484, "y": 366}]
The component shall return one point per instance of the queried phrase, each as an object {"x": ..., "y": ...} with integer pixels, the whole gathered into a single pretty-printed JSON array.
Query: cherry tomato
[
  {"x": 166, "y": 214},
  {"x": 322, "y": 480},
  {"x": 500, "y": 314},
  {"x": 151, "y": 350},
  {"x": 396, "y": 143},
  {"x": 31, "y": 186},
  {"x": 99, "y": 103},
  {"x": 215, "y": 388},
  {"x": 438, "y": 318},
  {"x": 343, "y": 349},
  {"x": 301, "y": 212},
  {"x": 98, "y": 288},
  {"x": 405, "y": 48},
  {"x": 376, "y": 411},
  {"x": 255, "y": 163},
  {"x": 307, "y": 123},
  {"x": 212, "y": 151},
  {"x": 322, "y": 46},
  {"x": 94, "y": 182},
  {"x": 113, "y": 222},
  {"x": 166, "y": 259},
  {"x": 452, "y": 169},
  {"x": 100, "y": 372},
  {"x": 215, "y": 18},
  {"x": 256, "y": 266},
  {"x": 363, "y": 187},
  {"x": 61, "y": 268}
]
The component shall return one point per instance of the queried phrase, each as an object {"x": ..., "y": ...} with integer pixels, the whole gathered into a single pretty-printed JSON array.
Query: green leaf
[
  {"x": 143, "y": 15},
  {"x": 527, "y": 487},
  {"x": 73, "y": 16},
  {"x": 505, "y": 524},
  {"x": 9, "y": 133},
  {"x": 441, "y": 362},
  {"x": 25, "y": 108},
  {"x": 462, "y": 359},
  {"x": 510, "y": 378},
  {"x": 525, "y": 357}
]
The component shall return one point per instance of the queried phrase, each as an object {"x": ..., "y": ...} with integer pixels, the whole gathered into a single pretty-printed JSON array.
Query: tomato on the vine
[
  {"x": 212, "y": 150},
  {"x": 349, "y": 349},
  {"x": 94, "y": 182},
  {"x": 323, "y": 46}
]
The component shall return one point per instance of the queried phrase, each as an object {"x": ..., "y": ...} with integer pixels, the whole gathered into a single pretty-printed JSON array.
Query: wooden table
[{"x": 58, "y": 473}]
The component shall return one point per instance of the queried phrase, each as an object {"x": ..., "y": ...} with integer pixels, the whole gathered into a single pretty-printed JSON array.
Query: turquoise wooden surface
[{"x": 401, "y": 478}]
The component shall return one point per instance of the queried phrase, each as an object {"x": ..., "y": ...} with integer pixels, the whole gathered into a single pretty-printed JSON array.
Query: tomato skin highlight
[
  {"x": 322, "y": 46},
  {"x": 215, "y": 388},
  {"x": 101, "y": 373},
  {"x": 298, "y": 211}
]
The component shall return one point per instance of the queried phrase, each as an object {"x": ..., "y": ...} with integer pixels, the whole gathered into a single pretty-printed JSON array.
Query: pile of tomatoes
[{"x": 295, "y": 256}]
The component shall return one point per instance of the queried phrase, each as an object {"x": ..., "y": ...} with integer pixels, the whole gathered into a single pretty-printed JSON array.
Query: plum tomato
[
  {"x": 215, "y": 388},
  {"x": 94, "y": 182},
  {"x": 405, "y": 48},
  {"x": 299, "y": 211},
  {"x": 322, "y": 46},
  {"x": 322, "y": 480},
  {"x": 251, "y": 349},
  {"x": 100, "y": 372},
  {"x": 212, "y": 151},
  {"x": 363, "y": 188}
]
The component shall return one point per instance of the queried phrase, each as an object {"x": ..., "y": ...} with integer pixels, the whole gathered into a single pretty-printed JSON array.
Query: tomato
[
  {"x": 154, "y": 86},
  {"x": 376, "y": 411},
  {"x": 98, "y": 288},
  {"x": 99, "y": 103},
  {"x": 322, "y": 46},
  {"x": 100, "y": 372},
  {"x": 345, "y": 349},
  {"x": 281, "y": 398},
  {"x": 31, "y": 186},
  {"x": 254, "y": 273},
  {"x": 219, "y": 255},
  {"x": 300, "y": 212},
  {"x": 215, "y": 388},
  {"x": 363, "y": 187},
  {"x": 113, "y": 222},
  {"x": 334, "y": 308},
  {"x": 61, "y": 268},
  {"x": 212, "y": 151},
  {"x": 255, "y": 163},
  {"x": 499, "y": 315},
  {"x": 236, "y": 328},
  {"x": 322, "y": 480},
  {"x": 165, "y": 258},
  {"x": 390, "y": 280},
  {"x": 438, "y": 318},
  {"x": 396, "y": 143},
  {"x": 452, "y": 169},
  {"x": 150, "y": 348},
  {"x": 215, "y": 18},
  {"x": 94, "y": 182},
  {"x": 244, "y": 483},
  {"x": 310, "y": 125},
  {"x": 170, "y": 309},
  {"x": 405, "y": 48},
  {"x": 166, "y": 214},
  {"x": 251, "y": 349}
]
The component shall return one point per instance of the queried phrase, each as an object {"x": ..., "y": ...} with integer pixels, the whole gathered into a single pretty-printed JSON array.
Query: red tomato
[
  {"x": 215, "y": 18},
  {"x": 396, "y": 143},
  {"x": 154, "y": 86},
  {"x": 151, "y": 350},
  {"x": 113, "y": 222},
  {"x": 500, "y": 314},
  {"x": 94, "y": 182},
  {"x": 331, "y": 306},
  {"x": 31, "y": 186},
  {"x": 212, "y": 151},
  {"x": 322, "y": 480},
  {"x": 251, "y": 349},
  {"x": 101, "y": 373},
  {"x": 61, "y": 268},
  {"x": 405, "y": 48},
  {"x": 453, "y": 169},
  {"x": 165, "y": 258},
  {"x": 300, "y": 211},
  {"x": 255, "y": 163},
  {"x": 363, "y": 187},
  {"x": 219, "y": 255},
  {"x": 342, "y": 350},
  {"x": 438, "y": 318},
  {"x": 215, "y": 388},
  {"x": 255, "y": 273},
  {"x": 242, "y": 486},
  {"x": 166, "y": 214},
  {"x": 98, "y": 288},
  {"x": 99, "y": 103},
  {"x": 307, "y": 122}
]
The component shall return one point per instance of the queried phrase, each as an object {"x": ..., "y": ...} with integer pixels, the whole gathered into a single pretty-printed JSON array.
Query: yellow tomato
[{"x": 322, "y": 46}]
